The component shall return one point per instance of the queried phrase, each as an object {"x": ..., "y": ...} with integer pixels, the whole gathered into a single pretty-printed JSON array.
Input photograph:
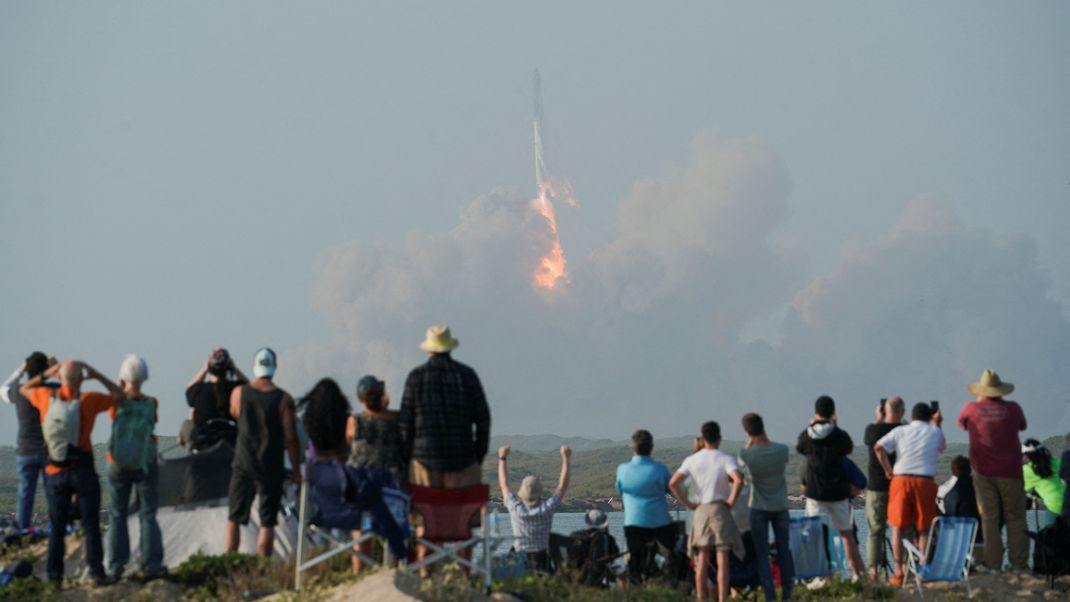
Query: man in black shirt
[
  {"x": 889, "y": 415},
  {"x": 825, "y": 446}
]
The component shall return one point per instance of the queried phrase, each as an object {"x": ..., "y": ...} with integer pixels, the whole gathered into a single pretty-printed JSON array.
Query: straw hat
[
  {"x": 990, "y": 385},
  {"x": 439, "y": 340}
]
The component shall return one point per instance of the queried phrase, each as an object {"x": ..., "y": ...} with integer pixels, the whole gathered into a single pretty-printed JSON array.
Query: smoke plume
[{"x": 650, "y": 331}]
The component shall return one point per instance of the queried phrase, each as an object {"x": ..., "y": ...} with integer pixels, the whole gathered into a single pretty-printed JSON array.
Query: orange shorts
[{"x": 912, "y": 502}]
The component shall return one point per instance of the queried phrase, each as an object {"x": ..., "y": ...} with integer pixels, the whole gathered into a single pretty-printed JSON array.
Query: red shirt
[{"x": 993, "y": 425}]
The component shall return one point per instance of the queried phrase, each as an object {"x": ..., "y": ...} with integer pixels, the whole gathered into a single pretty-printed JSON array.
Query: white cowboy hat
[
  {"x": 990, "y": 385},
  {"x": 439, "y": 340}
]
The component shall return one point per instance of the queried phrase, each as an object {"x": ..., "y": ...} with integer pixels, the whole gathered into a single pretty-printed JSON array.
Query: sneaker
[
  {"x": 101, "y": 580},
  {"x": 984, "y": 569},
  {"x": 148, "y": 578},
  {"x": 895, "y": 580},
  {"x": 816, "y": 583}
]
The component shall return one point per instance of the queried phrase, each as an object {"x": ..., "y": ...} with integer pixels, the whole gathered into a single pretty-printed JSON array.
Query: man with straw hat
[
  {"x": 993, "y": 424},
  {"x": 444, "y": 420}
]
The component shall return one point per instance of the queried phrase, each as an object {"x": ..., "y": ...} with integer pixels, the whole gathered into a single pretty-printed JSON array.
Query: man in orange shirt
[{"x": 78, "y": 476}]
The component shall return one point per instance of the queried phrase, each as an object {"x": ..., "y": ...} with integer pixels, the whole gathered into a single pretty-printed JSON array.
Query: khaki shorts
[
  {"x": 712, "y": 526},
  {"x": 840, "y": 517},
  {"x": 422, "y": 476}
]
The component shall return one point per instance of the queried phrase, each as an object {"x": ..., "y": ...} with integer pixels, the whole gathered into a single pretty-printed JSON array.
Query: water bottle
[{"x": 492, "y": 524}]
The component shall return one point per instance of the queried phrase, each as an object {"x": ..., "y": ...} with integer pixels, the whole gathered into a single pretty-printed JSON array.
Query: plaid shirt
[
  {"x": 445, "y": 422},
  {"x": 531, "y": 526}
]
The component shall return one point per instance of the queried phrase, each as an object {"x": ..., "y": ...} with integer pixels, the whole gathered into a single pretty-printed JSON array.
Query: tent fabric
[
  {"x": 199, "y": 477},
  {"x": 193, "y": 510},
  {"x": 201, "y": 528}
]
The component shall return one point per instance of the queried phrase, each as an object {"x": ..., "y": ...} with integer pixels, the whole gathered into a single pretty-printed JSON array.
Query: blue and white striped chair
[{"x": 949, "y": 559}]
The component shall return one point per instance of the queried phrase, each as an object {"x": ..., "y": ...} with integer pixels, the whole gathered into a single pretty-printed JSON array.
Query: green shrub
[{"x": 29, "y": 589}]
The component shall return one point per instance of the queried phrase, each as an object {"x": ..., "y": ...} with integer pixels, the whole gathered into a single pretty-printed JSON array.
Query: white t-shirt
[
  {"x": 916, "y": 447},
  {"x": 708, "y": 470}
]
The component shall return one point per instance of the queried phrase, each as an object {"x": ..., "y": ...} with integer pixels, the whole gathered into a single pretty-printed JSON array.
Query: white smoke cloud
[{"x": 649, "y": 332}]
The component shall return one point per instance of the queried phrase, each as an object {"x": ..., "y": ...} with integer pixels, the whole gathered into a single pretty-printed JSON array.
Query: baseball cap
[
  {"x": 368, "y": 384},
  {"x": 264, "y": 363}
]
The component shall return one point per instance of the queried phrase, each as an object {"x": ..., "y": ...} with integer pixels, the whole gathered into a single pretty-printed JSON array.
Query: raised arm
[
  {"x": 115, "y": 390},
  {"x": 289, "y": 433},
  {"x": 237, "y": 372},
  {"x": 11, "y": 384},
  {"x": 562, "y": 481},
  {"x": 503, "y": 473},
  {"x": 199, "y": 377},
  {"x": 50, "y": 372}
]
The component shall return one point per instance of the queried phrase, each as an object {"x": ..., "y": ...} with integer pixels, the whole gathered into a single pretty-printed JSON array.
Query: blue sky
[{"x": 180, "y": 176}]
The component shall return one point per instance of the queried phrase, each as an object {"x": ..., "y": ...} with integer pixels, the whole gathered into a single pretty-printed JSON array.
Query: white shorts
[{"x": 839, "y": 513}]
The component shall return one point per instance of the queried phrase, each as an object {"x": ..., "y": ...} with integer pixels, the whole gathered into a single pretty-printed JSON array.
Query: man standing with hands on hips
[{"x": 717, "y": 479}]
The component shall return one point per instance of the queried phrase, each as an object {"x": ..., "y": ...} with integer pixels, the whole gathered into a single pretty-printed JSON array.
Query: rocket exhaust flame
[{"x": 550, "y": 270}]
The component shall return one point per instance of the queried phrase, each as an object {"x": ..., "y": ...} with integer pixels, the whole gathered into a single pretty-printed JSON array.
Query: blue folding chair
[
  {"x": 950, "y": 558},
  {"x": 808, "y": 548}
]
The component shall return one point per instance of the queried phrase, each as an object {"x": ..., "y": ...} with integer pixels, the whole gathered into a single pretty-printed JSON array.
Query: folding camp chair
[
  {"x": 447, "y": 514},
  {"x": 808, "y": 548},
  {"x": 952, "y": 556},
  {"x": 322, "y": 525}
]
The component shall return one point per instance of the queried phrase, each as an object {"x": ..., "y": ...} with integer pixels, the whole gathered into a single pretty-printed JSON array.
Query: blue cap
[{"x": 368, "y": 384}]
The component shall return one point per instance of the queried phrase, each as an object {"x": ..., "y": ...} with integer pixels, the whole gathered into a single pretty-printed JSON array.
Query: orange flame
[{"x": 551, "y": 267}]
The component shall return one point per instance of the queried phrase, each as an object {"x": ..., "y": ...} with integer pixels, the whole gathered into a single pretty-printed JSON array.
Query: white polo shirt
[{"x": 916, "y": 447}]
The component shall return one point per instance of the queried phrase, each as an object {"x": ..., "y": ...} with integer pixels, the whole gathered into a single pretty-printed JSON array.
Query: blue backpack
[{"x": 131, "y": 444}]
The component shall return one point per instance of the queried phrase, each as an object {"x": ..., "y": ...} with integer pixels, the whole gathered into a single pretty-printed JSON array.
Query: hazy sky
[{"x": 855, "y": 198}]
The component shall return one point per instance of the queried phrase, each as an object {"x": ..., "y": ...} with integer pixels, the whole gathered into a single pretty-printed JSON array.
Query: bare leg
[
  {"x": 233, "y": 536},
  {"x": 265, "y": 544},
  {"x": 702, "y": 575},
  {"x": 923, "y": 540},
  {"x": 723, "y": 566},
  {"x": 897, "y": 550},
  {"x": 421, "y": 553},
  {"x": 358, "y": 564},
  {"x": 854, "y": 556}
]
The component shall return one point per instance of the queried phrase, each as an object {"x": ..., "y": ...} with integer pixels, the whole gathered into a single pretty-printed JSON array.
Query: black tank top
[{"x": 260, "y": 446}]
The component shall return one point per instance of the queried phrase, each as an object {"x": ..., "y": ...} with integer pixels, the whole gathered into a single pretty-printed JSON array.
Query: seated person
[
  {"x": 593, "y": 551},
  {"x": 956, "y": 495},
  {"x": 529, "y": 514},
  {"x": 209, "y": 401},
  {"x": 343, "y": 493},
  {"x": 374, "y": 437},
  {"x": 1041, "y": 472}
]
